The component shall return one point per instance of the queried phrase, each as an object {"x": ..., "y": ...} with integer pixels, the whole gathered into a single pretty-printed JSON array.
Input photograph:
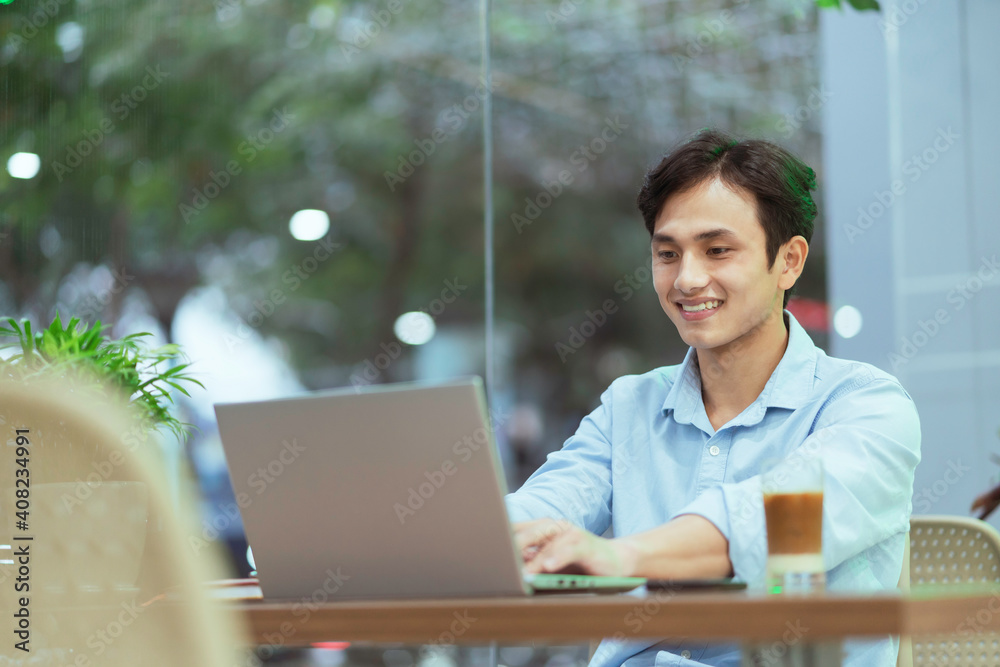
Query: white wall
[{"x": 915, "y": 102}]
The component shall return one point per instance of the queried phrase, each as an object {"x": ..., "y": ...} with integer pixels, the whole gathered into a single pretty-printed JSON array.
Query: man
[{"x": 671, "y": 459}]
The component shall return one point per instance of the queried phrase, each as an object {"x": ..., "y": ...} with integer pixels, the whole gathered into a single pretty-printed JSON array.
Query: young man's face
[{"x": 709, "y": 254}]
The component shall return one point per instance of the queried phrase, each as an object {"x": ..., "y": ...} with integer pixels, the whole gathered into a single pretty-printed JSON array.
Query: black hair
[{"x": 779, "y": 182}]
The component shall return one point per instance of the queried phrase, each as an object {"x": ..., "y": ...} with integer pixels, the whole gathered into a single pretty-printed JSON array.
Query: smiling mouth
[{"x": 708, "y": 305}]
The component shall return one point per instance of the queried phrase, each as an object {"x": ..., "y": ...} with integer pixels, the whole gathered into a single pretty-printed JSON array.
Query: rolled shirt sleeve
[
  {"x": 869, "y": 439},
  {"x": 574, "y": 483}
]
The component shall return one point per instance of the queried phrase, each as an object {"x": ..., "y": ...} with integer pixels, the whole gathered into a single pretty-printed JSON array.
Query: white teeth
[{"x": 701, "y": 306}]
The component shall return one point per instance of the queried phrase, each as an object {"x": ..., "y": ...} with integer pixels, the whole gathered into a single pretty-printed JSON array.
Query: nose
[{"x": 691, "y": 275}]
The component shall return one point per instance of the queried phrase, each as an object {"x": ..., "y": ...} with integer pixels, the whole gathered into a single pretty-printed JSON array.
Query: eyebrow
[{"x": 720, "y": 232}]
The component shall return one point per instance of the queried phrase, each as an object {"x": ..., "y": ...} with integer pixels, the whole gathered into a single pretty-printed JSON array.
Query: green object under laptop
[{"x": 562, "y": 583}]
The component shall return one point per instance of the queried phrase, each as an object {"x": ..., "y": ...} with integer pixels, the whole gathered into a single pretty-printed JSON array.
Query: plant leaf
[
  {"x": 107, "y": 367},
  {"x": 29, "y": 340},
  {"x": 863, "y": 5},
  {"x": 178, "y": 387}
]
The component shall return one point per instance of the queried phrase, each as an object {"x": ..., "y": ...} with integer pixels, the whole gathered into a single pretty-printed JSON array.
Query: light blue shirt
[{"x": 648, "y": 453}]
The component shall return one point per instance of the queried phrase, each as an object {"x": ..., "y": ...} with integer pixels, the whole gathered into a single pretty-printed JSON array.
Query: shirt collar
[{"x": 789, "y": 386}]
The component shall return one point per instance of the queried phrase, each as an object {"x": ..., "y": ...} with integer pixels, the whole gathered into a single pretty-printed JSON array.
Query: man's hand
[{"x": 550, "y": 545}]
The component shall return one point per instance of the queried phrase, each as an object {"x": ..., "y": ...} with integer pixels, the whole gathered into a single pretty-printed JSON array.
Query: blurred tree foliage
[{"x": 177, "y": 139}]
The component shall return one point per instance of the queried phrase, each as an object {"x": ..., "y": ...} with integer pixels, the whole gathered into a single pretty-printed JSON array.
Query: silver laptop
[{"x": 390, "y": 491}]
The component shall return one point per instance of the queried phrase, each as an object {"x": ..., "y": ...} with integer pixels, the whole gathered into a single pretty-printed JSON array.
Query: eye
[
  {"x": 666, "y": 254},
  {"x": 718, "y": 251}
]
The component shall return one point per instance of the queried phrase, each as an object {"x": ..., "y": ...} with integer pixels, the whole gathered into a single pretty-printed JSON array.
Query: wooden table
[{"x": 730, "y": 616}]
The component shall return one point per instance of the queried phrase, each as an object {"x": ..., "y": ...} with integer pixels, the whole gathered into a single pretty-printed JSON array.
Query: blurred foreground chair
[
  {"x": 77, "y": 490},
  {"x": 954, "y": 552}
]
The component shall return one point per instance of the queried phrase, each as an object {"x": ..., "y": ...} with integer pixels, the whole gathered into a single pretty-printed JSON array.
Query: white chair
[
  {"x": 948, "y": 552},
  {"x": 105, "y": 590}
]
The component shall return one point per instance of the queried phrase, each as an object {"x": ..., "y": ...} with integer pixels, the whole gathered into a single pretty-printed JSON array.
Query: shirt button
[
  {"x": 687, "y": 654},
  {"x": 714, "y": 450}
]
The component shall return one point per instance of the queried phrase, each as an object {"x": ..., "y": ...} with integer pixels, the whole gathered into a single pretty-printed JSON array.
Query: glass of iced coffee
[{"x": 793, "y": 510}]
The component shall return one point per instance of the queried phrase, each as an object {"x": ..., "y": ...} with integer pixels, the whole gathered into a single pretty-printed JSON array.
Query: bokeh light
[
  {"x": 847, "y": 321},
  {"x": 415, "y": 328},
  {"x": 309, "y": 224},
  {"x": 24, "y": 165}
]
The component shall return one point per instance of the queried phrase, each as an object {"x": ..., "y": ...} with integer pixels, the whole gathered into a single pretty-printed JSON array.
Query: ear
[{"x": 792, "y": 259}]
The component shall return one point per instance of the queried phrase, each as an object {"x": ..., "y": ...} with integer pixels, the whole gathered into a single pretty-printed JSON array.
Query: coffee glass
[{"x": 793, "y": 510}]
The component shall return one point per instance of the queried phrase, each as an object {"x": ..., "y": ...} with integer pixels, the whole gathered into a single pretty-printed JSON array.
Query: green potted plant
[{"x": 124, "y": 369}]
